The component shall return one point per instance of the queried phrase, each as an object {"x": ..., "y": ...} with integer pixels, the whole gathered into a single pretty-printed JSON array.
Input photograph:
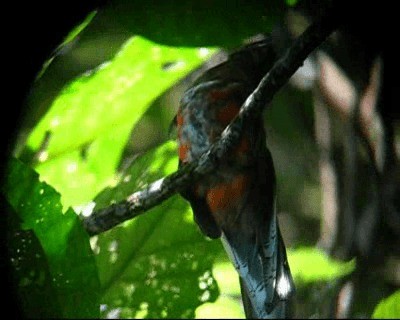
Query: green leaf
[
  {"x": 99, "y": 109},
  {"x": 79, "y": 28},
  {"x": 388, "y": 308},
  {"x": 310, "y": 264},
  {"x": 90, "y": 121},
  {"x": 71, "y": 36},
  {"x": 67, "y": 271},
  {"x": 158, "y": 264},
  {"x": 187, "y": 24}
]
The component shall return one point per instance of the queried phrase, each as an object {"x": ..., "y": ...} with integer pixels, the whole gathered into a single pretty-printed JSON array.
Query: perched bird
[{"x": 237, "y": 202}]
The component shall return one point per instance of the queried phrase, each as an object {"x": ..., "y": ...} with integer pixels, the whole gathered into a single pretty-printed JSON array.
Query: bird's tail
[
  {"x": 248, "y": 309},
  {"x": 265, "y": 278},
  {"x": 280, "y": 310}
]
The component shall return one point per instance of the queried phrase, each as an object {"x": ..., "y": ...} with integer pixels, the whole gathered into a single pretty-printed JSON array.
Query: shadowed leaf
[
  {"x": 159, "y": 264},
  {"x": 54, "y": 251}
]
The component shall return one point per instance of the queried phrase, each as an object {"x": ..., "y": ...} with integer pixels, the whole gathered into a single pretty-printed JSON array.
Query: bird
[{"x": 237, "y": 202}]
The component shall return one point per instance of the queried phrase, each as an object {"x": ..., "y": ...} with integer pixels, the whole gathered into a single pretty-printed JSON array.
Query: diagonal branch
[{"x": 160, "y": 190}]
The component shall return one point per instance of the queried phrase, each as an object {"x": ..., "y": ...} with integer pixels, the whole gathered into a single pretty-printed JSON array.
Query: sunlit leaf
[
  {"x": 388, "y": 308},
  {"x": 229, "y": 304},
  {"x": 223, "y": 308},
  {"x": 79, "y": 28},
  {"x": 63, "y": 241},
  {"x": 227, "y": 277},
  {"x": 90, "y": 121},
  {"x": 115, "y": 93},
  {"x": 80, "y": 173},
  {"x": 158, "y": 264}
]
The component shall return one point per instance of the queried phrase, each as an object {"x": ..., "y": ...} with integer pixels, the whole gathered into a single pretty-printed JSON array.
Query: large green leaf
[
  {"x": 93, "y": 114},
  {"x": 158, "y": 264},
  {"x": 90, "y": 121},
  {"x": 187, "y": 24},
  {"x": 51, "y": 256}
]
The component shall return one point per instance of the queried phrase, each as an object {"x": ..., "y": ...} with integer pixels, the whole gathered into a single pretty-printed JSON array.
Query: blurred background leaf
[
  {"x": 310, "y": 264},
  {"x": 388, "y": 308}
]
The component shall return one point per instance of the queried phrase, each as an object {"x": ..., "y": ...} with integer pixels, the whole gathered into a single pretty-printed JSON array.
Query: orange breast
[
  {"x": 226, "y": 114},
  {"x": 183, "y": 151},
  {"x": 224, "y": 196},
  {"x": 183, "y": 147},
  {"x": 218, "y": 94}
]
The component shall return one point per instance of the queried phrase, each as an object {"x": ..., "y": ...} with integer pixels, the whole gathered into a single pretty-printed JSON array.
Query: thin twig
[{"x": 160, "y": 190}]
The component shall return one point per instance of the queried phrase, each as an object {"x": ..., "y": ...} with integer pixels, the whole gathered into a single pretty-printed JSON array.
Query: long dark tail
[
  {"x": 280, "y": 309},
  {"x": 265, "y": 278}
]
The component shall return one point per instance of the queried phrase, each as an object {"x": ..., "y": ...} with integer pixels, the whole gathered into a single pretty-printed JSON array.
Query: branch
[{"x": 160, "y": 190}]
